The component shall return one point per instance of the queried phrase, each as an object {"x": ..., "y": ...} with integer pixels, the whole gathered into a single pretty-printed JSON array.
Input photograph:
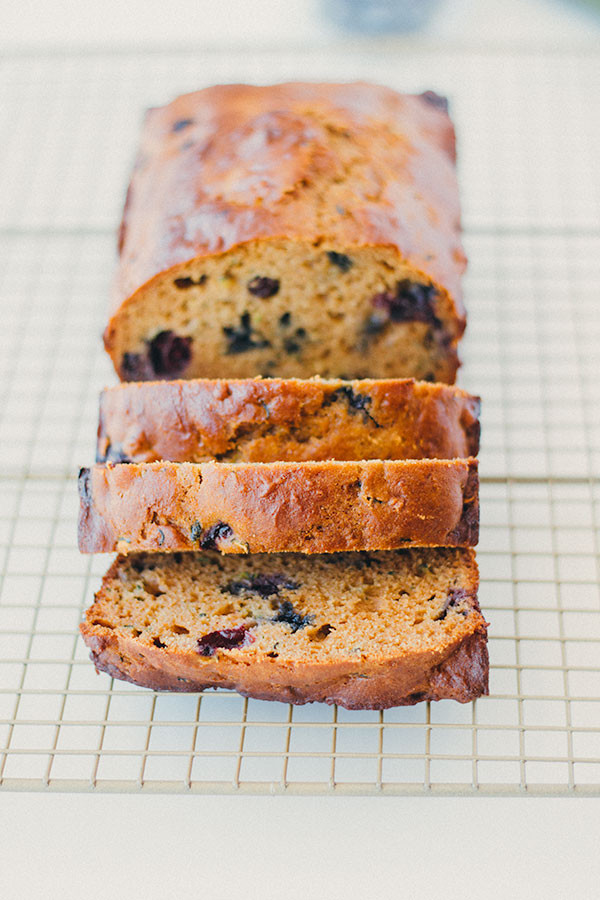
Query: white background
[
  {"x": 76, "y": 23},
  {"x": 334, "y": 848},
  {"x": 67, "y": 846}
]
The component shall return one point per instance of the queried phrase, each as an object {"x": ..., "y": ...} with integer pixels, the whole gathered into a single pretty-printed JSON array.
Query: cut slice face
[
  {"x": 291, "y": 230},
  {"x": 284, "y": 308},
  {"x": 365, "y": 630}
]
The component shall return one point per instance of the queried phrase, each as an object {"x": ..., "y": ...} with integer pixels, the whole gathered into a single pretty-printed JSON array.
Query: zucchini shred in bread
[
  {"x": 291, "y": 230},
  {"x": 364, "y": 630},
  {"x": 309, "y": 507},
  {"x": 256, "y": 420}
]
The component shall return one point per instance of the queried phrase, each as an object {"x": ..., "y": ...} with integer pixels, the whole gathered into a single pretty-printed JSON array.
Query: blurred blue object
[{"x": 379, "y": 16}]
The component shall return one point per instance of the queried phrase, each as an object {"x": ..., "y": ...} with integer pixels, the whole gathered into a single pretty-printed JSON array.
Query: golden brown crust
[
  {"x": 256, "y": 420},
  {"x": 256, "y": 147},
  {"x": 235, "y": 164},
  {"x": 396, "y": 675},
  {"x": 307, "y": 507},
  {"x": 462, "y": 676}
]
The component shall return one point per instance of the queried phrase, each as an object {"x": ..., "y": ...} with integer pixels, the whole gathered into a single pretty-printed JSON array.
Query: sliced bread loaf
[
  {"x": 256, "y": 420},
  {"x": 365, "y": 630},
  {"x": 309, "y": 507},
  {"x": 291, "y": 230}
]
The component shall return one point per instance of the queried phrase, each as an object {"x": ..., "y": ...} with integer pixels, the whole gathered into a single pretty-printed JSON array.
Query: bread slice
[
  {"x": 291, "y": 230},
  {"x": 256, "y": 420},
  {"x": 308, "y": 507},
  {"x": 364, "y": 630}
]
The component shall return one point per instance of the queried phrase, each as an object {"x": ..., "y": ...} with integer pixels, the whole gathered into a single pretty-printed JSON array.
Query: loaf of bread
[
  {"x": 366, "y": 631},
  {"x": 255, "y": 420},
  {"x": 305, "y": 507},
  {"x": 292, "y": 230}
]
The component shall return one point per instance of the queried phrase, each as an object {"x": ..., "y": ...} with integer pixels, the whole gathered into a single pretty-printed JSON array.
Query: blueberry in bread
[
  {"x": 307, "y": 507},
  {"x": 265, "y": 420},
  {"x": 364, "y": 630},
  {"x": 291, "y": 230}
]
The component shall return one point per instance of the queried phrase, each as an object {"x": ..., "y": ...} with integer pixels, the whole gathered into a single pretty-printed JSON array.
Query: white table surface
[
  {"x": 67, "y": 846},
  {"x": 72, "y": 24},
  {"x": 59, "y": 847}
]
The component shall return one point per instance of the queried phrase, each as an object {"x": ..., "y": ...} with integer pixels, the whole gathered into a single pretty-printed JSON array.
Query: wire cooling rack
[{"x": 529, "y": 128}]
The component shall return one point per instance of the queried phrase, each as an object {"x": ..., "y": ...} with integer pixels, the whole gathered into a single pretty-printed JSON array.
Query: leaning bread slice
[
  {"x": 364, "y": 630},
  {"x": 308, "y": 507},
  {"x": 265, "y": 420}
]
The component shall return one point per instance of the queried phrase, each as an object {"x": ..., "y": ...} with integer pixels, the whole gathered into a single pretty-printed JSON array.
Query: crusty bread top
[
  {"x": 264, "y": 420},
  {"x": 309, "y": 507},
  {"x": 350, "y": 164}
]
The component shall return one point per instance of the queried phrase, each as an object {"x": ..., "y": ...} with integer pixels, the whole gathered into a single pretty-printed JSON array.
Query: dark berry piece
[
  {"x": 454, "y": 598},
  {"x": 184, "y": 283},
  {"x": 114, "y": 455},
  {"x": 285, "y": 320},
  {"x": 196, "y": 531},
  {"x": 210, "y": 538},
  {"x": 84, "y": 486},
  {"x": 263, "y": 287},
  {"x": 356, "y": 402},
  {"x": 134, "y": 367},
  {"x": 263, "y": 585},
  {"x": 294, "y": 344},
  {"x": 242, "y": 337},
  {"x": 226, "y": 639},
  {"x": 410, "y": 302},
  {"x": 180, "y": 124},
  {"x": 435, "y": 100},
  {"x": 169, "y": 353},
  {"x": 216, "y": 533},
  {"x": 290, "y": 616},
  {"x": 340, "y": 260}
]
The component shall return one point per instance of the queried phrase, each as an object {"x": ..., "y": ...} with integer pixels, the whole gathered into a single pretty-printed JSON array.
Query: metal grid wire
[{"x": 529, "y": 125}]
